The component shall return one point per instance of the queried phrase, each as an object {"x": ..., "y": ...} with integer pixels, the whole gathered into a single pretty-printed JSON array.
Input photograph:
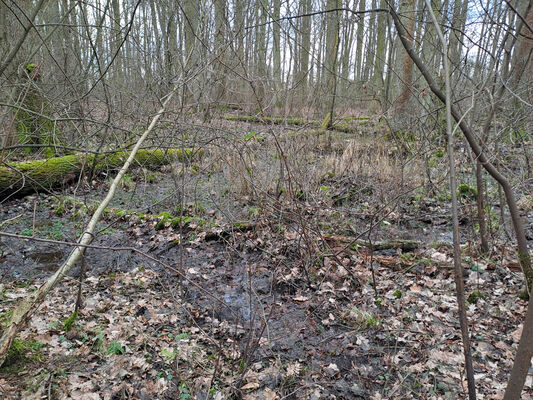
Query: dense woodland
[{"x": 266, "y": 199}]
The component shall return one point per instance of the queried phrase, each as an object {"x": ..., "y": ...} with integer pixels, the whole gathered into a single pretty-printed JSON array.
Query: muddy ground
[{"x": 258, "y": 296}]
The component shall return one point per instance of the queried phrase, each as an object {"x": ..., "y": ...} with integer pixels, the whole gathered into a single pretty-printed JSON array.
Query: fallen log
[
  {"x": 404, "y": 245},
  {"x": 354, "y": 244},
  {"x": 342, "y": 126},
  {"x": 22, "y": 178}
]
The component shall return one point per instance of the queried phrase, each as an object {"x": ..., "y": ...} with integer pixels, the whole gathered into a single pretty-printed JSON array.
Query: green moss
[
  {"x": 326, "y": 122},
  {"x": 401, "y": 136},
  {"x": 50, "y": 173},
  {"x": 195, "y": 169},
  {"x": 353, "y": 118},
  {"x": 243, "y": 118},
  {"x": 164, "y": 218},
  {"x": 69, "y": 322},
  {"x": 475, "y": 296},
  {"x": 30, "y": 67},
  {"x": 466, "y": 191},
  {"x": 22, "y": 350},
  {"x": 272, "y": 120},
  {"x": 152, "y": 158},
  {"x": 178, "y": 222},
  {"x": 36, "y": 128},
  {"x": 344, "y": 128},
  {"x": 120, "y": 213},
  {"x": 292, "y": 121},
  {"x": 323, "y": 125},
  {"x": 151, "y": 177},
  {"x": 301, "y": 195},
  {"x": 60, "y": 210}
]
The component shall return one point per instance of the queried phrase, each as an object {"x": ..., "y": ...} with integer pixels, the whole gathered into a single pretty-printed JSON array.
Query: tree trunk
[
  {"x": 380, "y": 49},
  {"x": 116, "y": 39},
  {"x": 191, "y": 18},
  {"x": 359, "y": 46},
  {"x": 219, "y": 87},
  {"x": 276, "y": 68},
  {"x": 522, "y": 362},
  {"x": 406, "y": 6},
  {"x": 332, "y": 51},
  {"x": 305, "y": 32},
  {"x": 347, "y": 42}
]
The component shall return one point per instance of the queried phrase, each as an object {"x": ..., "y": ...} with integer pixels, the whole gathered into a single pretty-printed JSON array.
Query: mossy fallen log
[
  {"x": 267, "y": 120},
  {"x": 21, "y": 178},
  {"x": 340, "y": 127}
]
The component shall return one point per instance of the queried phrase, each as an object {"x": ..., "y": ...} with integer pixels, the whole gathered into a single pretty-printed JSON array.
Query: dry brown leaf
[
  {"x": 270, "y": 395},
  {"x": 250, "y": 385},
  {"x": 300, "y": 298}
]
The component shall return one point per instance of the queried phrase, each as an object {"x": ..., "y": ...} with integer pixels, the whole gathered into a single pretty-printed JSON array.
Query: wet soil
[{"x": 271, "y": 290}]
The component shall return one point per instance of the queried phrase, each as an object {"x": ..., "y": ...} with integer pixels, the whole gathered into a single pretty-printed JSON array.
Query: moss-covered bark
[
  {"x": 25, "y": 177},
  {"x": 35, "y": 128},
  {"x": 340, "y": 127}
]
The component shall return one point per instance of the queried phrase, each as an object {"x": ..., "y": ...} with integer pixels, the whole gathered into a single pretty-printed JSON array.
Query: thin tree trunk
[
  {"x": 220, "y": 35},
  {"x": 522, "y": 362},
  {"x": 407, "y": 63},
  {"x": 458, "y": 269},
  {"x": 276, "y": 69},
  {"x": 332, "y": 51},
  {"x": 379, "y": 64},
  {"x": 359, "y": 49},
  {"x": 348, "y": 32},
  {"x": 305, "y": 47},
  {"x": 480, "y": 203}
]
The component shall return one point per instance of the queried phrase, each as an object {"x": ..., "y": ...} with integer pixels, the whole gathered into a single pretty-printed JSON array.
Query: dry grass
[
  {"x": 374, "y": 159},
  {"x": 282, "y": 164}
]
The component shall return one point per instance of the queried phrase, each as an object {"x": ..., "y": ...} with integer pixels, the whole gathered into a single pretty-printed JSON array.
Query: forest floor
[{"x": 256, "y": 297}]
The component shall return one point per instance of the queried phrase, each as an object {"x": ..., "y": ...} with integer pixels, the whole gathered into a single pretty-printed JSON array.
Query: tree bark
[
  {"x": 359, "y": 47},
  {"x": 220, "y": 36},
  {"x": 332, "y": 51},
  {"x": 407, "y": 62},
  {"x": 522, "y": 361},
  {"x": 276, "y": 72},
  {"x": 305, "y": 33}
]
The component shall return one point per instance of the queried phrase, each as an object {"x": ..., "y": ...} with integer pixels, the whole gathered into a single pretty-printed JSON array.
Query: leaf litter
[{"x": 276, "y": 325}]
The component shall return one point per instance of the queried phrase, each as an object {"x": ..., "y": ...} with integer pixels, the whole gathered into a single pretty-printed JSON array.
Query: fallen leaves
[{"x": 332, "y": 337}]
